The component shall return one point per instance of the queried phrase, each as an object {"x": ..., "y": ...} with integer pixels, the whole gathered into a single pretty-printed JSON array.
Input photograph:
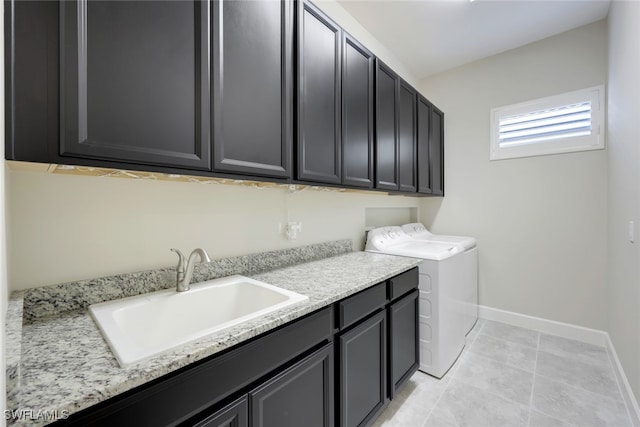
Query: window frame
[{"x": 594, "y": 141}]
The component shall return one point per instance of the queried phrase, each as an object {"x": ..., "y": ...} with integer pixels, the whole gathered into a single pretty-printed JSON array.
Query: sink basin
[{"x": 143, "y": 326}]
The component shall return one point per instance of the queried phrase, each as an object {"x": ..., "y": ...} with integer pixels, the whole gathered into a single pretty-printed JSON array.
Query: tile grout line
[
  {"x": 508, "y": 365},
  {"x": 582, "y": 389},
  {"x": 453, "y": 372},
  {"x": 533, "y": 382},
  {"x": 444, "y": 390},
  {"x": 572, "y": 386},
  {"x": 512, "y": 341}
]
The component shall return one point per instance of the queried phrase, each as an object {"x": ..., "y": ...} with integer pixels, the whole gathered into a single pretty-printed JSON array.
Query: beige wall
[
  {"x": 623, "y": 279},
  {"x": 540, "y": 221},
  {"x": 64, "y": 228}
]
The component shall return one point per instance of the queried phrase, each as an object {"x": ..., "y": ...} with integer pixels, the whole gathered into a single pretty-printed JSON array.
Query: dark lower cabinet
[
  {"x": 190, "y": 395},
  {"x": 252, "y": 87},
  {"x": 134, "y": 82},
  {"x": 236, "y": 414},
  {"x": 404, "y": 356},
  {"x": 319, "y": 96},
  {"x": 363, "y": 372},
  {"x": 300, "y": 396},
  {"x": 377, "y": 347}
]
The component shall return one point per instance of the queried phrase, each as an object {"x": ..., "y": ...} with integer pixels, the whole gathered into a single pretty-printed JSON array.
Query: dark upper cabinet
[
  {"x": 319, "y": 96},
  {"x": 252, "y": 87},
  {"x": 357, "y": 114},
  {"x": 213, "y": 87},
  {"x": 404, "y": 356},
  {"x": 430, "y": 148},
  {"x": 300, "y": 396},
  {"x": 436, "y": 151},
  {"x": 31, "y": 83},
  {"x": 134, "y": 81},
  {"x": 386, "y": 146},
  {"x": 407, "y": 142},
  {"x": 424, "y": 169}
]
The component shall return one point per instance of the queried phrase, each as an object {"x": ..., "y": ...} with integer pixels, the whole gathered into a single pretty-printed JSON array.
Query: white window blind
[{"x": 558, "y": 124}]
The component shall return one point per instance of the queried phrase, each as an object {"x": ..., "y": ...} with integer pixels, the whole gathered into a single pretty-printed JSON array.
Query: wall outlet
[{"x": 291, "y": 229}]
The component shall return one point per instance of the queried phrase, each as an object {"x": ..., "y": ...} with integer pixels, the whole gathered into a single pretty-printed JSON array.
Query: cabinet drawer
[
  {"x": 403, "y": 283},
  {"x": 359, "y": 305}
]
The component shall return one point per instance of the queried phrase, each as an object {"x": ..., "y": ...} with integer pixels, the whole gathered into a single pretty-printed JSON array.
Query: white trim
[
  {"x": 564, "y": 330},
  {"x": 630, "y": 400},
  {"x": 574, "y": 332},
  {"x": 594, "y": 140}
]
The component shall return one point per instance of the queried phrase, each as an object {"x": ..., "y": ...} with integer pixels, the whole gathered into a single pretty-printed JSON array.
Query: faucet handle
[{"x": 180, "y": 267}]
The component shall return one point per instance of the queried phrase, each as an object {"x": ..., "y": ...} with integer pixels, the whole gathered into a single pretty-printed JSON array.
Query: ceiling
[{"x": 430, "y": 36}]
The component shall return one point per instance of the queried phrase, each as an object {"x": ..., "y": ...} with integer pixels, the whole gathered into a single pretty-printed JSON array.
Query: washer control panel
[
  {"x": 415, "y": 228},
  {"x": 379, "y": 238}
]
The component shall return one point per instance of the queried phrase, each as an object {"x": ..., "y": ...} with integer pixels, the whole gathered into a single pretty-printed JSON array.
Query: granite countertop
[{"x": 60, "y": 364}]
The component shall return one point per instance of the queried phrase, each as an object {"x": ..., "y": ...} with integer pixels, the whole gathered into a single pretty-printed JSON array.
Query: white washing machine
[
  {"x": 442, "y": 317},
  {"x": 468, "y": 274}
]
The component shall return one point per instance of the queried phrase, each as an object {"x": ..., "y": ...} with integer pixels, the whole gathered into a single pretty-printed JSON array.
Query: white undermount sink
[{"x": 139, "y": 327}]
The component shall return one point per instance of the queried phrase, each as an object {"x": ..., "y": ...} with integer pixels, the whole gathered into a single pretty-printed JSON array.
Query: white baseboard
[
  {"x": 578, "y": 333},
  {"x": 565, "y": 330},
  {"x": 629, "y": 398}
]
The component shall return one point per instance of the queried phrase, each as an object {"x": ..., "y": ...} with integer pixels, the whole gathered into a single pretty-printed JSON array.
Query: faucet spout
[{"x": 185, "y": 269}]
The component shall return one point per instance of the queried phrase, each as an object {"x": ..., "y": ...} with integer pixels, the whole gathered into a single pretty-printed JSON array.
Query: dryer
[
  {"x": 441, "y": 304},
  {"x": 468, "y": 273}
]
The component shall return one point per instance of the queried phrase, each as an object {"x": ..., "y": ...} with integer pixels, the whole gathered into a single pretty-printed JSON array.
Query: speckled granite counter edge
[
  {"x": 326, "y": 281},
  {"x": 13, "y": 346},
  {"x": 68, "y": 297},
  {"x": 30, "y": 305}
]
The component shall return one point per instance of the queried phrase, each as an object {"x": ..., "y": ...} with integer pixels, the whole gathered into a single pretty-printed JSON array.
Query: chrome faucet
[{"x": 185, "y": 269}]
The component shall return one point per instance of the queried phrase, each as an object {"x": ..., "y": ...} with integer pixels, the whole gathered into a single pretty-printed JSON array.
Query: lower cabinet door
[
  {"x": 236, "y": 414},
  {"x": 363, "y": 372},
  {"x": 403, "y": 340},
  {"x": 301, "y": 396}
]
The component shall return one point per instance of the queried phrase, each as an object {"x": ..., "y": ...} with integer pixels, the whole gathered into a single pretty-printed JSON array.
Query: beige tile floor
[{"x": 509, "y": 376}]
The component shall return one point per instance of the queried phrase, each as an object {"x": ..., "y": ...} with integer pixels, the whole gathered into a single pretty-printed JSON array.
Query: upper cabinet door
[
  {"x": 357, "y": 114},
  {"x": 319, "y": 93},
  {"x": 252, "y": 87},
  {"x": 436, "y": 151},
  {"x": 134, "y": 81},
  {"x": 407, "y": 128},
  {"x": 386, "y": 127},
  {"x": 424, "y": 170}
]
